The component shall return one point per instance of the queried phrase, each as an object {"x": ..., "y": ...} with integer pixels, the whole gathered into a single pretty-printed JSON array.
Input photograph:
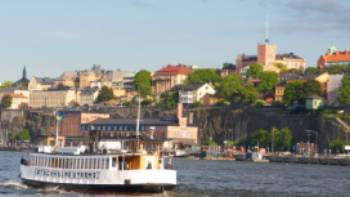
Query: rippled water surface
[{"x": 213, "y": 178}]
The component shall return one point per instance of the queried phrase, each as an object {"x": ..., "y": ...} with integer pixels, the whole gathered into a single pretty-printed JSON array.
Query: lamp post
[{"x": 308, "y": 133}]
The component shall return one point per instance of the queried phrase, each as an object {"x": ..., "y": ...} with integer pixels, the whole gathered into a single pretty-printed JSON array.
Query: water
[{"x": 213, "y": 178}]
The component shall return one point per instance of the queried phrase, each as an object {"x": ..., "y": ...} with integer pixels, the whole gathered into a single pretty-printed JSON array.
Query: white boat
[{"x": 131, "y": 164}]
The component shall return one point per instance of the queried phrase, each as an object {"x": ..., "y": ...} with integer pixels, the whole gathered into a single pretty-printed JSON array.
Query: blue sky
[{"x": 50, "y": 37}]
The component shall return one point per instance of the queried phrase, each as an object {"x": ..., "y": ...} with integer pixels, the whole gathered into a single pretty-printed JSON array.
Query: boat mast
[{"x": 138, "y": 119}]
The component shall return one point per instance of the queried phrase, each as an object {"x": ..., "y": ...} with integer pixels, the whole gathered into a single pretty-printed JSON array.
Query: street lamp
[{"x": 309, "y": 132}]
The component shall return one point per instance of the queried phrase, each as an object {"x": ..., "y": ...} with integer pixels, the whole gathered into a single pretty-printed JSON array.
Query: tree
[
  {"x": 24, "y": 135},
  {"x": 231, "y": 88},
  {"x": 105, "y": 94},
  {"x": 169, "y": 100},
  {"x": 6, "y": 101},
  {"x": 5, "y": 84},
  {"x": 228, "y": 66},
  {"x": 283, "y": 139},
  {"x": 254, "y": 70},
  {"x": 312, "y": 87},
  {"x": 203, "y": 76},
  {"x": 268, "y": 81},
  {"x": 337, "y": 69},
  {"x": 344, "y": 91},
  {"x": 281, "y": 67},
  {"x": 293, "y": 92},
  {"x": 312, "y": 70},
  {"x": 143, "y": 83}
]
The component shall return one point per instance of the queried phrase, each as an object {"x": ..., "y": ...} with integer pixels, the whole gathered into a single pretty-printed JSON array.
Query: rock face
[
  {"x": 221, "y": 123},
  {"x": 238, "y": 123}
]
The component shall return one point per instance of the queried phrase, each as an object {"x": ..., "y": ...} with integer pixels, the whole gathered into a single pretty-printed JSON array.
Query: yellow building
[{"x": 52, "y": 98}]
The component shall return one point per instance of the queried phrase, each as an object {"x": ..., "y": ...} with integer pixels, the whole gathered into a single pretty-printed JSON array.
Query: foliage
[
  {"x": 231, "y": 143},
  {"x": 282, "y": 139},
  {"x": 312, "y": 70},
  {"x": 6, "y": 101},
  {"x": 105, "y": 94},
  {"x": 312, "y": 87},
  {"x": 254, "y": 70},
  {"x": 344, "y": 90},
  {"x": 5, "y": 84},
  {"x": 299, "y": 90},
  {"x": 268, "y": 81},
  {"x": 24, "y": 135},
  {"x": 228, "y": 66},
  {"x": 169, "y": 100},
  {"x": 203, "y": 76},
  {"x": 143, "y": 83},
  {"x": 293, "y": 92},
  {"x": 337, "y": 69},
  {"x": 281, "y": 67},
  {"x": 337, "y": 145},
  {"x": 211, "y": 142},
  {"x": 231, "y": 88}
]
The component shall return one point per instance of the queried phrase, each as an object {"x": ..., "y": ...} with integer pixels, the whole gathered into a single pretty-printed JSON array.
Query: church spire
[{"x": 24, "y": 73}]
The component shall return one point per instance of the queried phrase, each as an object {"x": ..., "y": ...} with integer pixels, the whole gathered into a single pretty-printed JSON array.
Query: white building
[{"x": 195, "y": 92}]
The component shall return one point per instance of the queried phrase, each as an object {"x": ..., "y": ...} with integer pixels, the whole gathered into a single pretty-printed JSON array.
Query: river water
[{"x": 213, "y": 178}]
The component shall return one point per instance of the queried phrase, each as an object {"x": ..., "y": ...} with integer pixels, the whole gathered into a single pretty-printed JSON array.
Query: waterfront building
[
  {"x": 168, "y": 77},
  {"x": 52, "y": 98},
  {"x": 72, "y": 120},
  {"x": 175, "y": 130},
  {"x": 194, "y": 93},
  {"x": 333, "y": 57}
]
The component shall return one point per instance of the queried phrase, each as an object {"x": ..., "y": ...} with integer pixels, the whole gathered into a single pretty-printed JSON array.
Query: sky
[{"x": 49, "y": 37}]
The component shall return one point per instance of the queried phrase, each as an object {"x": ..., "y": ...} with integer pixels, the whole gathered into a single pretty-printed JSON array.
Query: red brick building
[{"x": 72, "y": 120}]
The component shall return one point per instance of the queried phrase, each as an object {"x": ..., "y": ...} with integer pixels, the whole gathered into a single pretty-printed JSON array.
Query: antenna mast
[{"x": 267, "y": 28}]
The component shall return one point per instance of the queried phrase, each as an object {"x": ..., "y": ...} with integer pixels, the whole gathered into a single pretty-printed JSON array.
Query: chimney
[{"x": 179, "y": 114}]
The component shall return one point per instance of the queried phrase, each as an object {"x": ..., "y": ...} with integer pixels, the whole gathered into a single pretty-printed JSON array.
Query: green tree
[
  {"x": 337, "y": 145},
  {"x": 312, "y": 87},
  {"x": 268, "y": 81},
  {"x": 6, "y": 101},
  {"x": 337, "y": 69},
  {"x": 344, "y": 91},
  {"x": 281, "y": 67},
  {"x": 254, "y": 70},
  {"x": 312, "y": 70},
  {"x": 169, "y": 99},
  {"x": 203, "y": 76},
  {"x": 105, "y": 94},
  {"x": 283, "y": 139},
  {"x": 293, "y": 92},
  {"x": 5, "y": 84},
  {"x": 248, "y": 94},
  {"x": 143, "y": 83},
  {"x": 230, "y": 86},
  {"x": 24, "y": 135},
  {"x": 228, "y": 66}
]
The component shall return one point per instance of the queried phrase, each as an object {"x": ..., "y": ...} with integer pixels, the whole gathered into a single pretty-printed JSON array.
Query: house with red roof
[
  {"x": 168, "y": 77},
  {"x": 333, "y": 57}
]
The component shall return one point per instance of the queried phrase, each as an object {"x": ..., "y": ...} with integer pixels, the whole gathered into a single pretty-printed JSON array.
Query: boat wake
[{"x": 13, "y": 184}]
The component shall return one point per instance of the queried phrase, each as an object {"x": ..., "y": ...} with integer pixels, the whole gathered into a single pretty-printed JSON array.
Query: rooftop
[{"x": 179, "y": 69}]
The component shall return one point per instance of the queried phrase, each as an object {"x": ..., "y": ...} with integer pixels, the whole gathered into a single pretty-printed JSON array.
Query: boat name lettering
[{"x": 67, "y": 174}]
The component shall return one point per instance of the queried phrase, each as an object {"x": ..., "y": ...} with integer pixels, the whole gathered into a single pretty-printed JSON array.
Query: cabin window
[
  {"x": 50, "y": 162},
  {"x": 102, "y": 163},
  {"x": 120, "y": 163},
  {"x": 106, "y": 163},
  {"x": 70, "y": 163},
  {"x": 114, "y": 162},
  {"x": 60, "y": 162}
]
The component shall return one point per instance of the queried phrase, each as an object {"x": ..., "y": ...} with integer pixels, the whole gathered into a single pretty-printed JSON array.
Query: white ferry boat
[{"x": 132, "y": 164}]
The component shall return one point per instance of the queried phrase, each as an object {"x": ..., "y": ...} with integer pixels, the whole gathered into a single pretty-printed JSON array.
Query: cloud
[{"x": 313, "y": 15}]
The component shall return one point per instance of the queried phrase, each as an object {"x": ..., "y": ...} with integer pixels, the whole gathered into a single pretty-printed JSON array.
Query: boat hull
[{"x": 101, "y": 188}]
